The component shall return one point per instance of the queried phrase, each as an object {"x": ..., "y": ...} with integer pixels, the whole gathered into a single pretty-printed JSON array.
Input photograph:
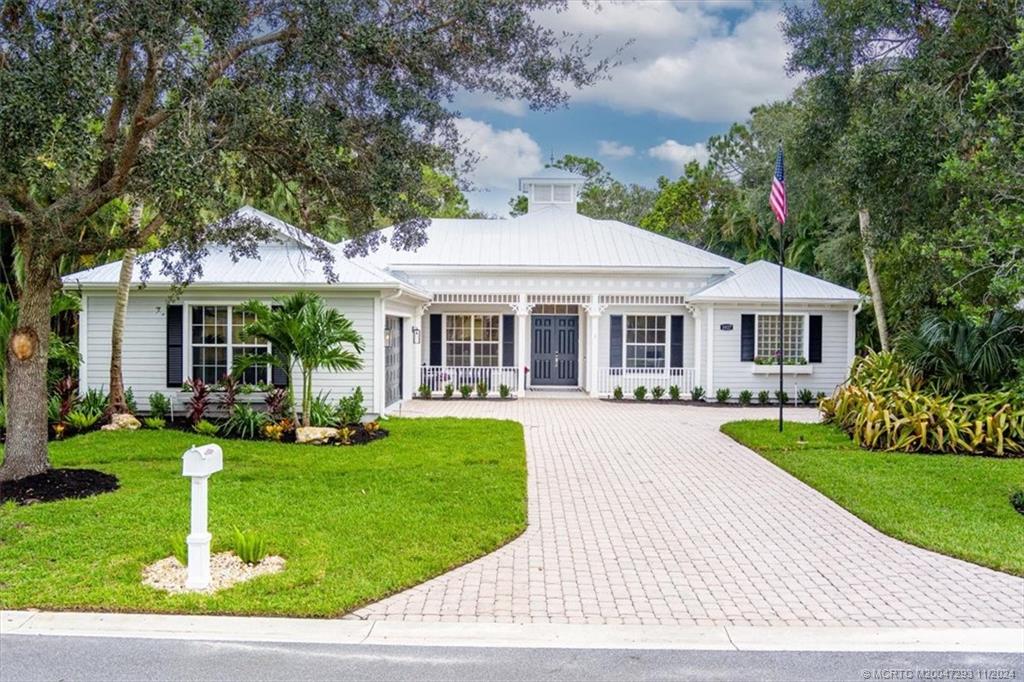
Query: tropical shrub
[
  {"x": 351, "y": 409},
  {"x": 1017, "y": 500},
  {"x": 129, "y": 401},
  {"x": 205, "y": 428},
  {"x": 63, "y": 401},
  {"x": 424, "y": 391},
  {"x": 95, "y": 400},
  {"x": 159, "y": 405},
  {"x": 657, "y": 392},
  {"x": 199, "y": 401},
  {"x": 81, "y": 420},
  {"x": 673, "y": 392},
  {"x": 229, "y": 389},
  {"x": 154, "y": 423},
  {"x": 481, "y": 389},
  {"x": 782, "y": 397},
  {"x": 722, "y": 395},
  {"x": 278, "y": 402},
  {"x": 763, "y": 397},
  {"x": 465, "y": 390},
  {"x": 275, "y": 430},
  {"x": 249, "y": 546},
  {"x": 617, "y": 393},
  {"x": 245, "y": 422},
  {"x": 640, "y": 392},
  {"x": 449, "y": 390},
  {"x": 504, "y": 391},
  {"x": 745, "y": 397},
  {"x": 697, "y": 393},
  {"x": 804, "y": 396},
  {"x": 322, "y": 411},
  {"x": 886, "y": 406},
  {"x": 819, "y": 396}
]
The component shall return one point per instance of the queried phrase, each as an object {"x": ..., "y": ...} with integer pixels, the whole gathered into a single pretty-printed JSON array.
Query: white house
[{"x": 550, "y": 300}]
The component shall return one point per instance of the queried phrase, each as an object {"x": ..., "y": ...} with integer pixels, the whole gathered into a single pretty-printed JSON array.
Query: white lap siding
[
  {"x": 728, "y": 371},
  {"x": 145, "y": 342}
]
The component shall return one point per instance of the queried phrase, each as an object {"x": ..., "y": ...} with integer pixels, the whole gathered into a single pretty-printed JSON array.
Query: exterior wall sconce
[
  {"x": 387, "y": 337},
  {"x": 416, "y": 335}
]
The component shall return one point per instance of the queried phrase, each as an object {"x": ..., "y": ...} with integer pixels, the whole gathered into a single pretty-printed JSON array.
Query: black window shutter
[
  {"x": 175, "y": 353},
  {"x": 615, "y": 342},
  {"x": 747, "y": 323},
  {"x": 508, "y": 340},
  {"x": 815, "y": 341},
  {"x": 676, "y": 342},
  {"x": 436, "y": 340},
  {"x": 278, "y": 375}
]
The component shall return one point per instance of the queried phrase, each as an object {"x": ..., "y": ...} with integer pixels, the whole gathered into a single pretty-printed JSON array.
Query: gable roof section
[
  {"x": 760, "y": 281},
  {"x": 286, "y": 259},
  {"x": 552, "y": 237}
]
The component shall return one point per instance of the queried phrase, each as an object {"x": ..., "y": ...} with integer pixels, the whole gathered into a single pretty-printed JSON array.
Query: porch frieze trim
[{"x": 522, "y": 307}]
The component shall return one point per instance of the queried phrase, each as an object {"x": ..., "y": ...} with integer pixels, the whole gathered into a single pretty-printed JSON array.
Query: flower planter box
[{"x": 786, "y": 369}]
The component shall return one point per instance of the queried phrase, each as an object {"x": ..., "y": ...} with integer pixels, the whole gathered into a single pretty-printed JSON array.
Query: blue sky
[{"x": 692, "y": 70}]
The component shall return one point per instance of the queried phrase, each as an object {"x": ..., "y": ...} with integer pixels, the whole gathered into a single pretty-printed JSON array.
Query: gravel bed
[{"x": 226, "y": 569}]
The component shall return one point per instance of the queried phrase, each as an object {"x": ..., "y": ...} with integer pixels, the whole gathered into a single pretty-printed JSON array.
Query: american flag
[{"x": 778, "y": 195}]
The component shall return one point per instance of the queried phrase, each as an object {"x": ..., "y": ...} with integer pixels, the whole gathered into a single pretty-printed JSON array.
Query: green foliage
[
  {"x": 465, "y": 390},
  {"x": 129, "y": 401},
  {"x": 94, "y": 400},
  {"x": 722, "y": 395},
  {"x": 449, "y": 390},
  {"x": 1017, "y": 500},
  {"x": 81, "y": 420},
  {"x": 303, "y": 331},
  {"x": 763, "y": 397},
  {"x": 205, "y": 428},
  {"x": 657, "y": 392},
  {"x": 351, "y": 410},
  {"x": 697, "y": 393},
  {"x": 745, "y": 397},
  {"x": 179, "y": 549},
  {"x": 154, "y": 423},
  {"x": 63, "y": 401},
  {"x": 246, "y": 422},
  {"x": 781, "y": 397},
  {"x": 804, "y": 396},
  {"x": 198, "y": 401},
  {"x": 617, "y": 393},
  {"x": 159, "y": 405},
  {"x": 250, "y": 546},
  {"x": 884, "y": 406},
  {"x": 673, "y": 392},
  {"x": 774, "y": 360},
  {"x": 322, "y": 411},
  {"x": 481, "y": 389},
  {"x": 819, "y": 396},
  {"x": 640, "y": 392},
  {"x": 425, "y": 391},
  {"x": 504, "y": 391}
]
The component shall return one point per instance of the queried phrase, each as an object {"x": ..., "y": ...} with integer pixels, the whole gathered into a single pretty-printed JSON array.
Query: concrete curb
[{"x": 526, "y": 635}]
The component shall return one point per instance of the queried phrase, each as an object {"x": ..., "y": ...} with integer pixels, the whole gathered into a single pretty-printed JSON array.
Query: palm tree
[{"x": 302, "y": 331}]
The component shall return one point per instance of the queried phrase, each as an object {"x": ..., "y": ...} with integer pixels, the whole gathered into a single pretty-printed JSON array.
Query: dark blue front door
[{"x": 555, "y": 349}]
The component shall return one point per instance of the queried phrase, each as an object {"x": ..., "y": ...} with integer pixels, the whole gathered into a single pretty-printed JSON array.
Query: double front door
[{"x": 555, "y": 360}]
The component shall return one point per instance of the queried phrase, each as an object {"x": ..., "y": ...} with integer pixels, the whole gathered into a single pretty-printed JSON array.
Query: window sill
[{"x": 786, "y": 369}]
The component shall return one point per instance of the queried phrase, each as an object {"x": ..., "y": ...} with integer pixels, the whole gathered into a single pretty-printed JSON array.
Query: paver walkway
[{"x": 648, "y": 514}]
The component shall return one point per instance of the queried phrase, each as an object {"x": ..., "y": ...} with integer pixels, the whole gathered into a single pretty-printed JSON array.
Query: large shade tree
[{"x": 166, "y": 102}]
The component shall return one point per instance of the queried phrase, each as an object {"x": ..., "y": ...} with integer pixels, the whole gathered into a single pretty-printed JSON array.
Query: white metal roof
[
  {"x": 760, "y": 281},
  {"x": 286, "y": 259},
  {"x": 552, "y": 237}
]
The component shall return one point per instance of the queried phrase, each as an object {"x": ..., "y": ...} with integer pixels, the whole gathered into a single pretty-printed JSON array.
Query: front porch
[{"x": 592, "y": 343}]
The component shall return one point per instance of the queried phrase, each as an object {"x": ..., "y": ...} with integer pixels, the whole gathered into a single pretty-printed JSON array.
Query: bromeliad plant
[{"x": 304, "y": 332}]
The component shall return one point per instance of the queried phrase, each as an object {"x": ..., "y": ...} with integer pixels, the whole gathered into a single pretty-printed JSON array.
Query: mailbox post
[{"x": 198, "y": 463}]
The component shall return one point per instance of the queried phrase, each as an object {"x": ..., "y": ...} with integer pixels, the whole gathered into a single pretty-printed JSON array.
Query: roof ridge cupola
[{"x": 552, "y": 187}]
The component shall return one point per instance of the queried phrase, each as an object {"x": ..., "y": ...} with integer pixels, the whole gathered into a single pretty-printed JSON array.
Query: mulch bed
[{"x": 58, "y": 484}]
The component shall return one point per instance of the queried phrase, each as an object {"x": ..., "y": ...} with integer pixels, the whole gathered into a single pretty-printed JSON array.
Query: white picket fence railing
[
  {"x": 629, "y": 378},
  {"x": 437, "y": 377}
]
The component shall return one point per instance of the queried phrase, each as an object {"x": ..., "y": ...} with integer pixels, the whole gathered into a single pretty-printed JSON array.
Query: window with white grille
[
  {"x": 646, "y": 341},
  {"x": 217, "y": 339},
  {"x": 472, "y": 340},
  {"x": 792, "y": 338}
]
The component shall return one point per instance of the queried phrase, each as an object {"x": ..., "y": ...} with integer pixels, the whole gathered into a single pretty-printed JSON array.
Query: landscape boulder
[
  {"x": 122, "y": 422},
  {"x": 315, "y": 435}
]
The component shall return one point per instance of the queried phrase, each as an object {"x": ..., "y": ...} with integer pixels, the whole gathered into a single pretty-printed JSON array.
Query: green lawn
[
  {"x": 354, "y": 523},
  {"x": 954, "y": 504}
]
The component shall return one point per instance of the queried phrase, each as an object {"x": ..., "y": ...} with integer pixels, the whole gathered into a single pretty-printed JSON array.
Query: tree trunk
[
  {"x": 876, "y": 289},
  {"x": 25, "y": 452},
  {"x": 118, "y": 405}
]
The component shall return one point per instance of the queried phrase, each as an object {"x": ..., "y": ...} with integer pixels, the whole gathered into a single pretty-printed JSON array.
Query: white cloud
[
  {"x": 614, "y": 150},
  {"x": 502, "y": 155},
  {"x": 686, "y": 59},
  {"x": 481, "y": 100},
  {"x": 679, "y": 154}
]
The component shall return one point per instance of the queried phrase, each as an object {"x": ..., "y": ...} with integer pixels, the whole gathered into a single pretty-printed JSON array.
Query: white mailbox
[{"x": 198, "y": 463}]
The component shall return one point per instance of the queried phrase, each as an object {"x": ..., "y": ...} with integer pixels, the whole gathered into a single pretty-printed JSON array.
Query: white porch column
[
  {"x": 594, "y": 310},
  {"x": 416, "y": 354},
  {"x": 522, "y": 310},
  {"x": 698, "y": 340}
]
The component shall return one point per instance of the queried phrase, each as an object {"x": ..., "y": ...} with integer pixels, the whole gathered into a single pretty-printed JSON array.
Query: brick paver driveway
[{"x": 648, "y": 514}]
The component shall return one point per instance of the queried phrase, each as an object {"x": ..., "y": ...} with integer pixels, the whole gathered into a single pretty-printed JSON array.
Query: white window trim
[
  {"x": 188, "y": 368},
  {"x": 473, "y": 342},
  {"x": 806, "y": 334},
  {"x": 667, "y": 344}
]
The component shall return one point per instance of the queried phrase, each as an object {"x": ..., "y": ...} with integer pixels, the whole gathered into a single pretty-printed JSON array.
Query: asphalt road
[{"x": 25, "y": 657}]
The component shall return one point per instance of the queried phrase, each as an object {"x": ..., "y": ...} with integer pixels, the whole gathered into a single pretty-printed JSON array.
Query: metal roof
[
  {"x": 760, "y": 281},
  {"x": 551, "y": 237},
  {"x": 286, "y": 259}
]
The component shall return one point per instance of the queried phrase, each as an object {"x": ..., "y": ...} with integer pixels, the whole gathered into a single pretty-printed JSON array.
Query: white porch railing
[
  {"x": 437, "y": 377},
  {"x": 629, "y": 378}
]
